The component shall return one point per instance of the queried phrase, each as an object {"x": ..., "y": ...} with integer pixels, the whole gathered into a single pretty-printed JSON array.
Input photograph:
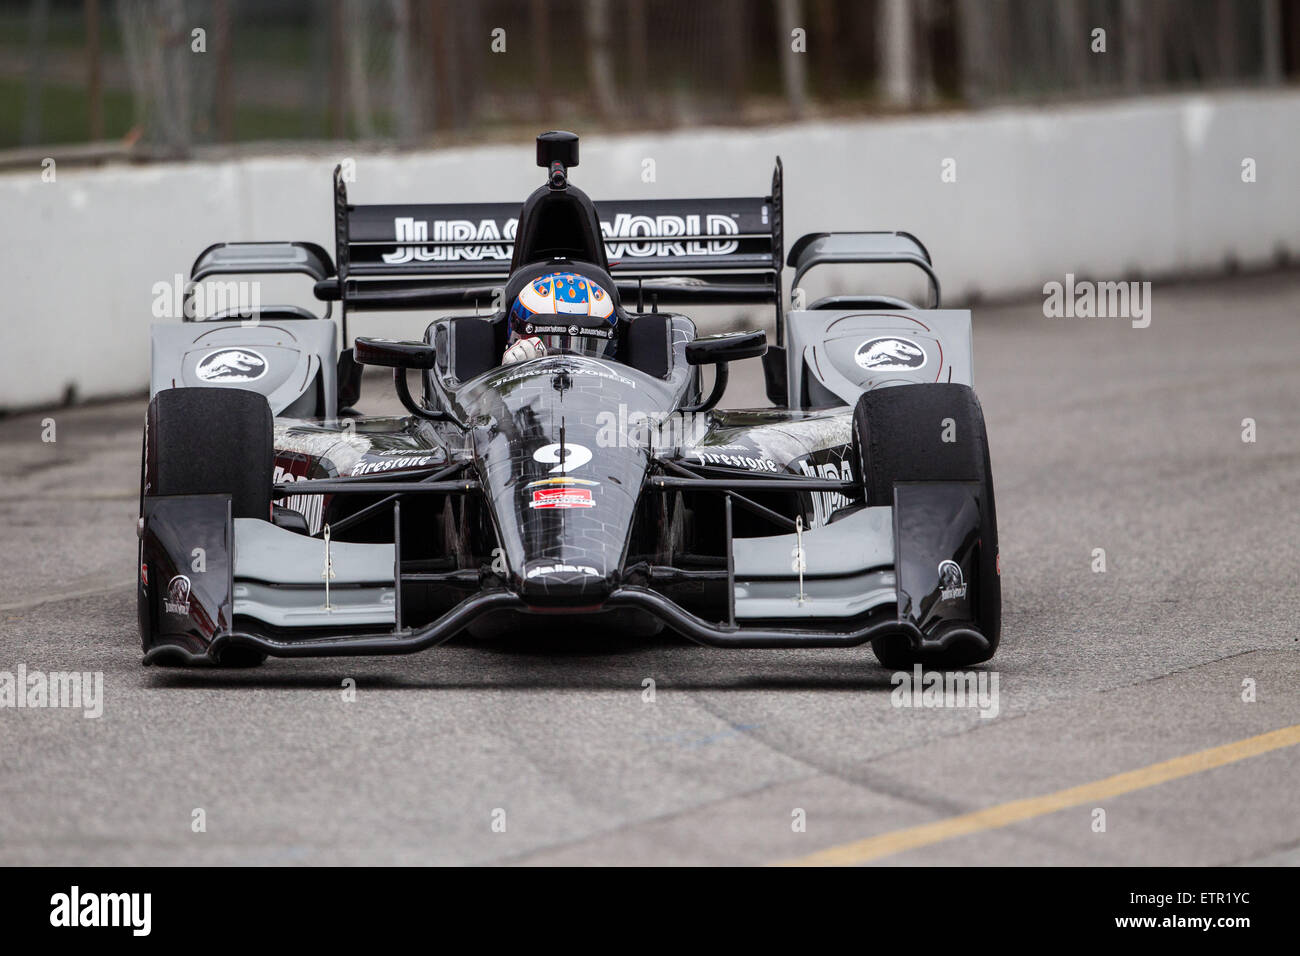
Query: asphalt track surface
[{"x": 1119, "y": 691}]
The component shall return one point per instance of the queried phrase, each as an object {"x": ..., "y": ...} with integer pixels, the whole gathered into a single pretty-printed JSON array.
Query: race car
[{"x": 562, "y": 461}]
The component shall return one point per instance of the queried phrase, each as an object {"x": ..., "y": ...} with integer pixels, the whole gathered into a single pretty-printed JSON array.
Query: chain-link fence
[{"x": 169, "y": 76}]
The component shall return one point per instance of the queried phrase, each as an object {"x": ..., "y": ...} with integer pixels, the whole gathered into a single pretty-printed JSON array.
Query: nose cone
[
  {"x": 572, "y": 531},
  {"x": 545, "y": 582},
  {"x": 561, "y": 477}
]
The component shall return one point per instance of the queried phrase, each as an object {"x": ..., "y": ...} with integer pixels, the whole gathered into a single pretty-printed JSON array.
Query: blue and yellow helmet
[{"x": 568, "y": 312}]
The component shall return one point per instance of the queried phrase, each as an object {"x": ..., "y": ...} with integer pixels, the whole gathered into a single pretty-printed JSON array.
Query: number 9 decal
[{"x": 575, "y": 456}]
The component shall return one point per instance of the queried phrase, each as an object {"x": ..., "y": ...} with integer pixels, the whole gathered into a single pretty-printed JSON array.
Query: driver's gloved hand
[{"x": 523, "y": 349}]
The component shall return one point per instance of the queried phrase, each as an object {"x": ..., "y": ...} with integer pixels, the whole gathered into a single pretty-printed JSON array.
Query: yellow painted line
[{"x": 1005, "y": 814}]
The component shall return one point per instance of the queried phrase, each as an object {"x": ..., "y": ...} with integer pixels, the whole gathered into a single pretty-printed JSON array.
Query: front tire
[
  {"x": 899, "y": 433},
  {"x": 208, "y": 441},
  {"x": 203, "y": 441}
]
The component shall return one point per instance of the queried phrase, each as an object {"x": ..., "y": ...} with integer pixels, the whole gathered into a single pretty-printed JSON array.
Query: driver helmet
[{"x": 559, "y": 309}]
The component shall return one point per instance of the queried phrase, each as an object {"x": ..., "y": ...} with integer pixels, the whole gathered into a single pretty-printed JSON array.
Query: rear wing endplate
[
  {"x": 262, "y": 258},
  {"x": 821, "y": 248}
]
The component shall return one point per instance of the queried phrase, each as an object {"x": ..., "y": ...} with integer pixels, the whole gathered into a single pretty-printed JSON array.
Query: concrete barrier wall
[{"x": 1109, "y": 190}]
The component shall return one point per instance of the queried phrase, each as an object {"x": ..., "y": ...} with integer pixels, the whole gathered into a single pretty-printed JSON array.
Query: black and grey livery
[{"x": 276, "y": 520}]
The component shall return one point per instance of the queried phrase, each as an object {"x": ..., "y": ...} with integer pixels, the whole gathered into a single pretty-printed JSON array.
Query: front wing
[{"x": 209, "y": 583}]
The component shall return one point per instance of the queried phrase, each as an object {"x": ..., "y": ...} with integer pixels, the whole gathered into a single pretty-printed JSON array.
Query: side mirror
[
  {"x": 728, "y": 347},
  {"x": 394, "y": 354},
  {"x": 719, "y": 350}
]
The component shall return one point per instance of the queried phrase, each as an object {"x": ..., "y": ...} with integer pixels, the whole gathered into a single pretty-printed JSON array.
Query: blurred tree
[
  {"x": 357, "y": 37},
  {"x": 407, "y": 119},
  {"x": 600, "y": 69},
  {"x": 1271, "y": 41},
  {"x": 1132, "y": 43},
  {"x": 638, "y": 71},
  {"x": 896, "y": 53},
  {"x": 539, "y": 29},
  {"x": 225, "y": 85},
  {"x": 793, "y": 71},
  {"x": 38, "y": 27},
  {"x": 729, "y": 29},
  {"x": 828, "y": 42},
  {"x": 338, "y": 101},
  {"x": 94, "y": 71}
]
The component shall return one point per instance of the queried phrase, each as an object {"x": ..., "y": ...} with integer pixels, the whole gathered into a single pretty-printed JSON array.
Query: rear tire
[
  {"x": 204, "y": 441},
  {"x": 898, "y": 431}
]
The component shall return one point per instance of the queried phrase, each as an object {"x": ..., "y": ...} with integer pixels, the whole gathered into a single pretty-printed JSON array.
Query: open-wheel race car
[{"x": 562, "y": 455}]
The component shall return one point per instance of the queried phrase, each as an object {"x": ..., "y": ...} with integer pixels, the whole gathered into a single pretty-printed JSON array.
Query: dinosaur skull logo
[
  {"x": 178, "y": 595},
  {"x": 890, "y": 355},
  {"x": 231, "y": 366},
  {"x": 952, "y": 583}
]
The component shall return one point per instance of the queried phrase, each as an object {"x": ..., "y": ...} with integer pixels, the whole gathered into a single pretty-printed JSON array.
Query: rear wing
[
  {"x": 668, "y": 251},
  {"x": 257, "y": 258},
  {"x": 821, "y": 248},
  {"x": 660, "y": 252}
]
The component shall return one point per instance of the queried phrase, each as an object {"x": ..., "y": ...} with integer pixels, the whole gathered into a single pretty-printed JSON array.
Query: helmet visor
[{"x": 570, "y": 339}]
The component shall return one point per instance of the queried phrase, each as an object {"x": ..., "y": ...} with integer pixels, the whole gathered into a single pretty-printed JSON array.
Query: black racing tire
[
  {"x": 204, "y": 441},
  {"x": 207, "y": 441},
  {"x": 897, "y": 432}
]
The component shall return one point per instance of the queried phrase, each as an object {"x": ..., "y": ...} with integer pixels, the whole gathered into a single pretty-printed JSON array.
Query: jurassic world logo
[
  {"x": 227, "y": 366},
  {"x": 889, "y": 354},
  {"x": 645, "y": 236},
  {"x": 627, "y": 236},
  {"x": 952, "y": 583},
  {"x": 456, "y": 240},
  {"x": 178, "y": 595}
]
